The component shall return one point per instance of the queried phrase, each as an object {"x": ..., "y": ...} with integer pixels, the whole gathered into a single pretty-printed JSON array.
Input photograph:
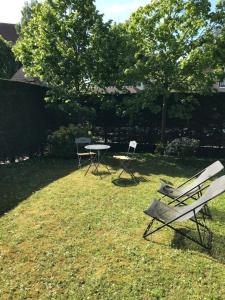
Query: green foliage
[
  {"x": 22, "y": 119},
  {"x": 183, "y": 106},
  {"x": 182, "y": 147},
  {"x": 159, "y": 149},
  {"x": 62, "y": 141},
  {"x": 174, "y": 40},
  {"x": 115, "y": 50},
  {"x": 26, "y": 14},
  {"x": 175, "y": 48},
  {"x": 71, "y": 112},
  {"x": 8, "y": 65},
  {"x": 67, "y": 45}
]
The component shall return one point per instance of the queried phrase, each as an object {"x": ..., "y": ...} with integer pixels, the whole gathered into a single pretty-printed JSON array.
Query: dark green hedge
[
  {"x": 117, "y": 118},
  {"x": 22, "y": 119}
]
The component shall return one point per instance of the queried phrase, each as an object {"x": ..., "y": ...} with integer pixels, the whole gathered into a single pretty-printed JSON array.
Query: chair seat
[
  {"x": 122, "y": 157},
  {"x": 86, "y": 153}
]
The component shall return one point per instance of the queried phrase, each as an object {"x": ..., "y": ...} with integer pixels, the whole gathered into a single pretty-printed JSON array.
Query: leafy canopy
[
  {"x": 8, "y": 65},
  {"x": 67, "y": 45},
  {"x": 175, "y": 45},
  {"x": 26, "y": 14}
]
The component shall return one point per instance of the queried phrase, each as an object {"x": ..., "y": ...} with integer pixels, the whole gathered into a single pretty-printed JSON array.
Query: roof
[
  {"x": 114, "y": 90},
  {"x": 8, "y": 32},
  {"x": 20, "y": 76}
]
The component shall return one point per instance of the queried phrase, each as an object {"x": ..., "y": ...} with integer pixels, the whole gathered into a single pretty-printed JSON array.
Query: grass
[{"x": 66, "y": 236}]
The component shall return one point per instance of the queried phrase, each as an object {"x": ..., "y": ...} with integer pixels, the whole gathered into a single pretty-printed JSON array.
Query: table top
[{"x": 97, "y": 147}]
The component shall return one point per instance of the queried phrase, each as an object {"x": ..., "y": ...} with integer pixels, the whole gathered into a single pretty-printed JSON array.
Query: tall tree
[
  {"x": 26, "y": 14},
  {"x": 175, "y": 40},
  {"x": 219, "y": 18},
  {"x": 67, "y": 45},
  {"x": 8, "y": 65}
]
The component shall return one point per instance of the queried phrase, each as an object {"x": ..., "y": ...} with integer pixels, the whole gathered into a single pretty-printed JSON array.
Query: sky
[{"x": 116, "y": 10}]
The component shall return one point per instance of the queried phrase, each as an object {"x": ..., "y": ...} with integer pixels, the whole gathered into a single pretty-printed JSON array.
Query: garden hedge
[{"x": 22, "y": 119}]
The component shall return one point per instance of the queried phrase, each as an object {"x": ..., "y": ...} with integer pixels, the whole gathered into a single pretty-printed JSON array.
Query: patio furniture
[
  {"x": 125, "y": 160},
  {"x": 193, "y": 186},
  {"x": 98, "y": 148},
  {"x": 80, "y": 143},
  {"x": 167, "y": 215}
]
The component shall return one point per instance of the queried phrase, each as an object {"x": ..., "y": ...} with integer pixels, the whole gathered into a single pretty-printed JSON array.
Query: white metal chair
[
  {"x": 81, "y": 142},
  {"x": 125, "y": 160}
]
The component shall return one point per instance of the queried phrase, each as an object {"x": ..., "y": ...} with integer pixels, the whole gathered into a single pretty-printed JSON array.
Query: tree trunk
[{"x": 163, "y": 123}]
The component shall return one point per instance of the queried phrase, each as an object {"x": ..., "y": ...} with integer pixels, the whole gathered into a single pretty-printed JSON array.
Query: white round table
[{"x": 98, "y": 148}]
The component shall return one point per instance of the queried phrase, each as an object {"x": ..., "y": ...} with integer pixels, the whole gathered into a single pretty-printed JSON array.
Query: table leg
[
  {"x": 99, "y": 163},
  {"x": 91, "y": 163}
]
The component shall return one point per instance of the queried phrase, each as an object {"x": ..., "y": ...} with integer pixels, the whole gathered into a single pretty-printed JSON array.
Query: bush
[
  {"x": 159, "y": 149},
  {"x": 61, "y": 142},
  {"x": 182, "y": 147}
]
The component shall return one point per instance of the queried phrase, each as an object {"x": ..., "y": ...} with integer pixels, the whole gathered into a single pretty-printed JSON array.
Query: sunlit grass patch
[{"x": 67, "y": 236}]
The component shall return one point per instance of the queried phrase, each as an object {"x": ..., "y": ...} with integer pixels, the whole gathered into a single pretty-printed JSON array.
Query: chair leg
[
  {"x": 121, "y": 173},
  {"x": 125, "y": 168},
  {"x": 147, "y": 230},
  {"x": 79, "y": 161},
  {"x": 91, "y": 163},
  {"x": 206, "y": 244},
  {"x": 207, "y": 211},
  {"x": 199, "y": 241}
]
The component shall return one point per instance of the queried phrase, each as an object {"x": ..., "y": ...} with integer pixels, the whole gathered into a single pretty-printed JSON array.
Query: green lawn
[{"x": 66, "y": 236}]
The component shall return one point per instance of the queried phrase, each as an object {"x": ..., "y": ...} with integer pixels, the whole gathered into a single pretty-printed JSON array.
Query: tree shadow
[{"x": 18, "y": 181}]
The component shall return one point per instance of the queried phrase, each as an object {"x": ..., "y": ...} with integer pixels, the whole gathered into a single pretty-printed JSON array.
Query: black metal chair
[
  {"x": 167, "y": 215},
  {"x": 192, "y": 187},
  {"x": 126, "y": 160}
]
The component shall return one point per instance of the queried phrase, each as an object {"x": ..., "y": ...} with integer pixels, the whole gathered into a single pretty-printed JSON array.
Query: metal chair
[
  {"x": 167, "y": 215},
  {"x": 80, "y": 143},
  {"x": 125, "y": 160},
  {"x": 192, "y": 186}
]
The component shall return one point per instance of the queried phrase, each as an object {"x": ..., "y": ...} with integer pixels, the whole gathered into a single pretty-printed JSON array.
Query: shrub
[
  {"x": 182, "y": 147},
  {"x": 61, "y": 142},
  {"x": 159, "y": 149}
]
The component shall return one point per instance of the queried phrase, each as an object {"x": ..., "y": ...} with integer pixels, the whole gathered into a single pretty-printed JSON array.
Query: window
[{"x": 222, "y": 84}]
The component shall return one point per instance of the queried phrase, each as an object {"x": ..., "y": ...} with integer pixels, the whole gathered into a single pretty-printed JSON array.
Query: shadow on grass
[
  {"x": 218, "y": 245},
  {"x": 148, "y": 164},
  {"x": 126, "y": 182},
  {"x": 18, "y": 181},
  {"x": 101, "y": 173},
  {"x": 217, "y": 215}
]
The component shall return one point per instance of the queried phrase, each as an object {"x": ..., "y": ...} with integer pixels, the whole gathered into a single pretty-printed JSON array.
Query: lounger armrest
[{"x": 165, "y": 189}]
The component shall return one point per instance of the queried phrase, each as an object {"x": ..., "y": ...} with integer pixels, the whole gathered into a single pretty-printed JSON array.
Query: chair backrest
[
  {"x": 169, "y": 213},
  {"x": 216, "y": 188},
  {"x": 206, "y": 174},
  {"x": 132, "y": 146},
  {"x": 82, "y": 141},
  {"x": 211, "y": 171}
]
